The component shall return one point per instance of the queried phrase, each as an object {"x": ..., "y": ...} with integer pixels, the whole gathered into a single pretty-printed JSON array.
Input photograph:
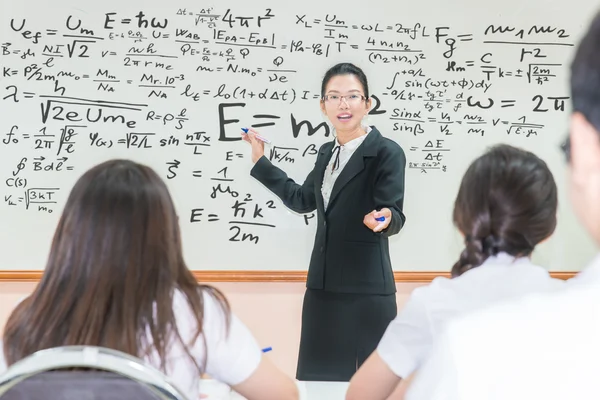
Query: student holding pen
[{"x": 357, "y": 188}]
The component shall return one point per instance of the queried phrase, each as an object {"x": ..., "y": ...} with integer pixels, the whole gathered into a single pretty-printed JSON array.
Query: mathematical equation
[{"x": 180, "y": 84}]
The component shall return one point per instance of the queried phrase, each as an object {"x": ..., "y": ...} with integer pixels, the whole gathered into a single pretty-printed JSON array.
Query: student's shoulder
[
  {"x": 439, "y": 289},
  {"x": 538, "y": 313},
  {"x": 215, "y": 312},
  {"x": 543, "y": 277}
]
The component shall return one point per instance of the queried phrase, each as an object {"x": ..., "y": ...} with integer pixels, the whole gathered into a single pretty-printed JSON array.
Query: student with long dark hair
[
  {"x": 505, "y": 207},
  {"x": 116, "y": 278}
]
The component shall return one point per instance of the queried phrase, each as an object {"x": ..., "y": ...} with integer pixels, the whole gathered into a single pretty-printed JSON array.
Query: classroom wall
[{"x": 271, "y": 310}]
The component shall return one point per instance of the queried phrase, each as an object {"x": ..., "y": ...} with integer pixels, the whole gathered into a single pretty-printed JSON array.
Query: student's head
[
  {"x": 114, "y": 263},
  {"x": 345, "y": 96},
  {"x": 585, "y": 130},
  {"x": 507, "y": 202}
]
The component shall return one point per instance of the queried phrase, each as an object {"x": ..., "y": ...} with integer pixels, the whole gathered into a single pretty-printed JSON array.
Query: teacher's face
[{"x": 344, "y": 103}]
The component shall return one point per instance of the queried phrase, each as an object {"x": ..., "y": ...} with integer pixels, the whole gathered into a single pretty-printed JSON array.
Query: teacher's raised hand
[{"x": 258, "y": 146}]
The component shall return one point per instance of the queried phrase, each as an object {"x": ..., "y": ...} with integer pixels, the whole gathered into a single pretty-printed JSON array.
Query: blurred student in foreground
[{"x": 545, "y": 346}]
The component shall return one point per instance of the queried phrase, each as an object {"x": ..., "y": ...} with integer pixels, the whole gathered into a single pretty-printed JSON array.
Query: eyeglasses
[
  {"x": 566, "y": 148},
  {"x": 349, "y": 99}
]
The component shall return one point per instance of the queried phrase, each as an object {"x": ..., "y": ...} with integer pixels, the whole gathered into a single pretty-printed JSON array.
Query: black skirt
[{"x": 339, "y": 332}]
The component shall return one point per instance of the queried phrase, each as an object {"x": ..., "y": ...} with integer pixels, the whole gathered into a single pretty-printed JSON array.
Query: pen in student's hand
[
  {"x": 257, "y": 136},
  {"x": 380, "y": 219},
  {"x": 267, "y": 349}
]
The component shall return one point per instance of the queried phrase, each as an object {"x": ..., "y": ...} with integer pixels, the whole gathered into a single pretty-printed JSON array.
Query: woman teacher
[{"x": 357, "y": 188}]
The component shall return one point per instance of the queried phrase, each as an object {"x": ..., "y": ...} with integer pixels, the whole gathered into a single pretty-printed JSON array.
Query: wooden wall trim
[{"x": 263, "y": 276}]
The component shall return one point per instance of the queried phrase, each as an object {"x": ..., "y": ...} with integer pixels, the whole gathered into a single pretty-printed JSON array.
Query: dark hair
[
  {"x": 507, "y": 202},
  {"x": 114, "y": 265},
  {"x": 585, "y": 75},
  {"x": 345, "y": 69}
]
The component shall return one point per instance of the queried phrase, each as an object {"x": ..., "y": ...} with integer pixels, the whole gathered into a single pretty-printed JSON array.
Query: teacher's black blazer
[{"x": 347, "y": 256}]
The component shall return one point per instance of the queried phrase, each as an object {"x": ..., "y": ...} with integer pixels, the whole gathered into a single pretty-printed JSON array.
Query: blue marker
[
  {"x": 257, "y": 136},
  {"x": 380, "y": 219},
  {"x": 267, "y": 349}
]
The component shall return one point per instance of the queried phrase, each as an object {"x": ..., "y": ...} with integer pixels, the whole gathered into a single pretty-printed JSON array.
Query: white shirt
[
  {"x": 408, "y": 340},
  {"x": 230, "y": 359},
  {"x": 346, "y": 152},
  {"x": 544, "y": 346}
]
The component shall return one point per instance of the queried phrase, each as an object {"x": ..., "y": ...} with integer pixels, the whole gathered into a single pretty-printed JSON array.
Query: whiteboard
[{"x": 170, "y": 84}]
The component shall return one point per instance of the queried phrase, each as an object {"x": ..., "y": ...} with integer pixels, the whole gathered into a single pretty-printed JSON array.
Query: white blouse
[
  {"x": 231, "y": 359},
  {"x": 408, "y": 340},
  {"x": 541, "y": 346},
  {"x": 346, "y": 152}
]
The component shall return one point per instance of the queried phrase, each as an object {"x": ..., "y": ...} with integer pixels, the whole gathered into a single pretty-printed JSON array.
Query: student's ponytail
[{"x": 476, "y": 251}]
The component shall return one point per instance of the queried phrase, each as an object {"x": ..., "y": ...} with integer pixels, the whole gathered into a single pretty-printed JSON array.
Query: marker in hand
[
  {"x": 377, "y": 221},
  {"x": 262, "y": 139}
]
